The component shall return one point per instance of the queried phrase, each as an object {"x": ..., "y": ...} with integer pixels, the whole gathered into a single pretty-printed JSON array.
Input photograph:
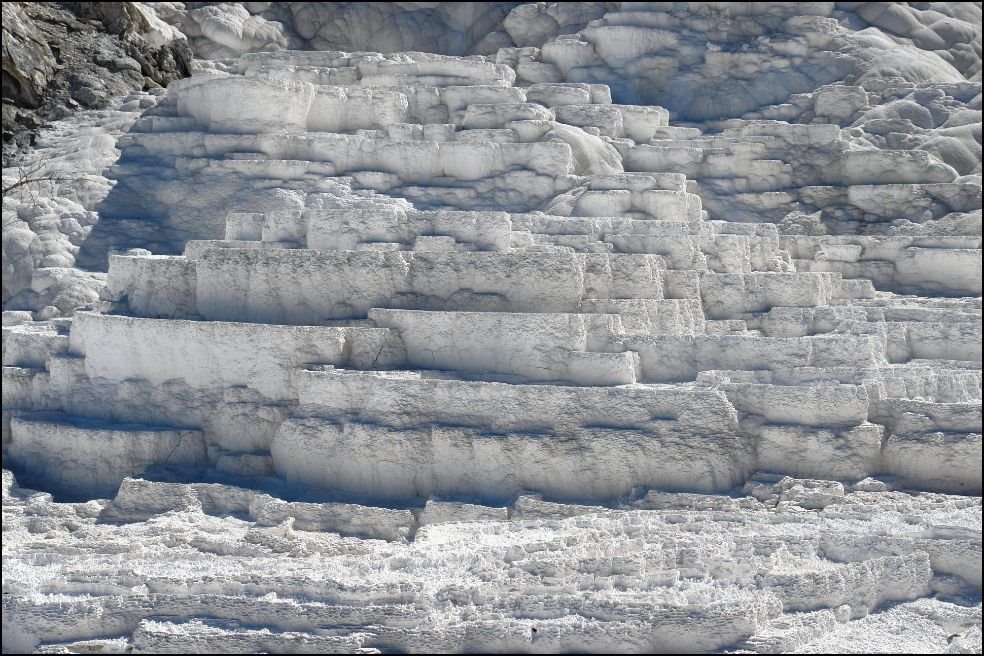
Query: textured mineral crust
[{"x": 492, "y": 327}]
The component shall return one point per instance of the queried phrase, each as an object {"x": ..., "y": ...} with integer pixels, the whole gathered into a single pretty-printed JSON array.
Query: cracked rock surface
[
  {"x": 514, "y": 327},
  {"x": 62, "y": 57}
]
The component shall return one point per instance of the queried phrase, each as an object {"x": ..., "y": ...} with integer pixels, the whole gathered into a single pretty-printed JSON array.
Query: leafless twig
[{"x": 31, "y": 174}]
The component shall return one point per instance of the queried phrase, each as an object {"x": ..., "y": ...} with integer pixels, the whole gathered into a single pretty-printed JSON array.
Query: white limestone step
[
  {"x": 345, "y": 518},
  {"x": 821, "y": 452},
  {"x": 897, "y": 199},
  {"x": 159, "y": 286},
  {"x": 244, "y": 464},
  {"x": 647, "y": 316},
  {"x": 956, "y": 338},
  {"x": 342, "y": 229},
  {"x": 925, "y": 380},
  {"x": 495, "y": 135},
  {"x": 559, "y": 93},
  {"x": 266, "y": 88},
  {"x": 727, "y": 248},
  {"x": 656, "y": 203},
  {"x": 337, "y": 154},
  {"x": 734, "y": 295},
  {"x": 915, "y": 270},
  {"x": 479, "y": 115},
  {"x": 405, "y": 399},
  {"x": 139, "y": 499},
  {"x": 321, "y": 75},
  {"x": 212, "y": 354},
  {"x": 584, "y": 349},
  {"x": 25, "y": 389},
  {"x": 171, "y": 635},
  {"x": 796, "y": 321},
  {"x": 639, "y": 181},
  {"x": 89, "y": 458},
  {"x": 458, "y": 98},
  {"x": 577, "y": 243},
  {"x": 155, "y": 123},
  {"x": 919, "y": 415},
  {"x": 607, "y": 118},
  {"x": 941, "y": 384},
  {"x": 32, "y": 344},
  {"x": 825, "y": 405},
  {"x": 420, "y": 132},
  {"x": 726, "y": 327},
  {"x": 680, "y": 358},
  {"x": 438, "y": 512},
  {"x": 594, "y": 464},
  {"x": 308, "y": 287},
  {"x": 948, "y": 461},
  {"x": 195, "y": 248},
  {"x": 235, "y": 418}
]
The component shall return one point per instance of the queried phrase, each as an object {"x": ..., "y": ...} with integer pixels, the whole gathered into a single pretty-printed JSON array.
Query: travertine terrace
[{"x": 662, "y": 333}]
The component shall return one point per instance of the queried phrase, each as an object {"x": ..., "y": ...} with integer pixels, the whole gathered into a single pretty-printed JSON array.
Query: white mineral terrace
[{"x": 422, "y": 353}]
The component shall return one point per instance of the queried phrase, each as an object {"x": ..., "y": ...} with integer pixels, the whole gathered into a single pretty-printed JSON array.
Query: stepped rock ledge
[{"x": 492, "y": 327}]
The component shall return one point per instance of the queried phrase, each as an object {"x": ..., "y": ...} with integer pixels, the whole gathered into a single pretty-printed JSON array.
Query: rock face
[
  {"x": 61, "y": 57},
  {"x": 487, "y": 350}
]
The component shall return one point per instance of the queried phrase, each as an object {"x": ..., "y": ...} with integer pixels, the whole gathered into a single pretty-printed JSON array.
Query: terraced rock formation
[{"x": 420, "y": 352}]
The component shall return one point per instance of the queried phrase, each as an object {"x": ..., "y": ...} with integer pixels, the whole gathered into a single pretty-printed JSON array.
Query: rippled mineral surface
[{"x": 492, "y": 327}]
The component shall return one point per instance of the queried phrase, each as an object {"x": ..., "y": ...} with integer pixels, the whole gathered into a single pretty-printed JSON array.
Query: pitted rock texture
[{"x": 649, "y": 327}]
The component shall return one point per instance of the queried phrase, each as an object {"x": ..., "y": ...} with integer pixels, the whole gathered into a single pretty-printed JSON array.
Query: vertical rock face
[
  {"x": 62, "y": 57},
  {"x": 28, "y": 62},
  {"x": 577, "y": 326}
]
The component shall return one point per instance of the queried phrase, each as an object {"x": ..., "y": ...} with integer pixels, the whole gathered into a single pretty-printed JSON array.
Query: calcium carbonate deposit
[{"x": 515, "y": 327}]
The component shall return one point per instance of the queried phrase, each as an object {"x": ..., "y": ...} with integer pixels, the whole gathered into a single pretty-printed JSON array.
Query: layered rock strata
[{"x": 434, "y": 353}]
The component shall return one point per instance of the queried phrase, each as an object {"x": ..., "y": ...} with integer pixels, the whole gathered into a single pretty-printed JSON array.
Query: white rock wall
[
  {"x": 615, "y": 327},
  {"x": 90, "y": 459}
]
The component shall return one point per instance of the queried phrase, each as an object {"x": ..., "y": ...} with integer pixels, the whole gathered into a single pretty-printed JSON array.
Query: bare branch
[{"x": 34, "y": 173}]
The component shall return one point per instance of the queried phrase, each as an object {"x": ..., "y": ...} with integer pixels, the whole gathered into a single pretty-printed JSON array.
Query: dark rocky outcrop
[{"x": 59, "y": 57}]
